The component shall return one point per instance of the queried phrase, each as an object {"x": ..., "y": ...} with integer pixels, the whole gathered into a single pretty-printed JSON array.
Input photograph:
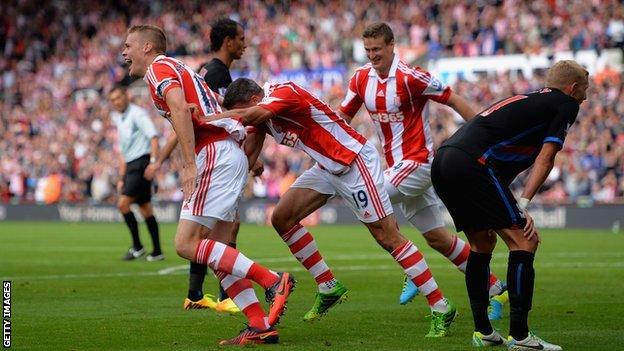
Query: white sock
[
  {"x": 327, "y": 286},
  {"x": 441, "y": 306}
]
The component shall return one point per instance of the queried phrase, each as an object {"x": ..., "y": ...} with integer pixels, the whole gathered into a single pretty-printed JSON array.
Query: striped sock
[
  {"x": 415, "y": 266},
  {"x": 220, "y": 257},
  {"x": 242, "y": 293},
  {"x": 303, "y": 247},
  {"x": 458, "y": 254}
]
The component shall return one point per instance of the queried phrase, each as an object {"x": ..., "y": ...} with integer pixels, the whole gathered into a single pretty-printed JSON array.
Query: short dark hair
[
  {"x": 153, "y": 34},
  {"x": 378, "y": 29},
  {"x": 240, "y": 91},
  {"x": 117, "y": 86},
  {"x": 222, "y": 28}
]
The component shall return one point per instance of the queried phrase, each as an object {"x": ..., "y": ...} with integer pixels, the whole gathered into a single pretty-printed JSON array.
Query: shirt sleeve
[
  {"x": 422, "y": 83},
  {"x": 564, "y": 118},
  {"x": 217, "y": 80},
  {"x": 352, "y": 101},
  {"x": 144, "y": 123},
  {"x": 281, "y": 100},
  {"x": 165, "y": 79}
]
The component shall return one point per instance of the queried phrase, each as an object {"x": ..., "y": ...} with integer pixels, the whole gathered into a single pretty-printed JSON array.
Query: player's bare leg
[
  {"x": 137, "y": 250},
  {"x": 386, "y": 233},
  {"x": 295, "y": 205}
]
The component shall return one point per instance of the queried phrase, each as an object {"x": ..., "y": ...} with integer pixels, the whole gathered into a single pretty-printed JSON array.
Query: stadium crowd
[{"x": 59, "y": 58}]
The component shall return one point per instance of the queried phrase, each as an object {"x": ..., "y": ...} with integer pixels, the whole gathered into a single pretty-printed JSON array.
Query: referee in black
[
  {"x": 138, "y": 143},
  {"x": 472, "y": 172}
]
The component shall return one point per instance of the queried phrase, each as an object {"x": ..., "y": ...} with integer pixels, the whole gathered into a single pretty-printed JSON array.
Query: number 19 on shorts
[{"x": 360, "y": 198}]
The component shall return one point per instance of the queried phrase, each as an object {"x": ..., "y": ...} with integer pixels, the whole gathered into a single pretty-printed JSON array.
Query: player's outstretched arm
[
  {"x": 461, "y": 106},
  {"x": 183, "y": 126},
  {"x": 249, "y": 116}
]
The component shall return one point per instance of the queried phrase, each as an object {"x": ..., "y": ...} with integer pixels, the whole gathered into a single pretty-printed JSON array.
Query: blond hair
[
  {"x": 153, "y": 34},
  {"x": 564, "y": 73}
]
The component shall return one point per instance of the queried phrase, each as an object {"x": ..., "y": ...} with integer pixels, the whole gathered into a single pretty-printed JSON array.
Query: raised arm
[{"x": 183, "y": 126}]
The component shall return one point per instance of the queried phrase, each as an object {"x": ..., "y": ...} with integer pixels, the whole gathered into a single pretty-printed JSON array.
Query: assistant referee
[{"x": 138, "y": 144}]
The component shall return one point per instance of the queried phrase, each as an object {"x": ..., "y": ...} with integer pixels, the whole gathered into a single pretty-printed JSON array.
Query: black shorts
[
  {"x": 473, "y": 193},
  {"x": 135, "y": 185}
]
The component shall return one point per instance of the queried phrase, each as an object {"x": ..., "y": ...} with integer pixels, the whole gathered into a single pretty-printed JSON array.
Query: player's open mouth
[{"x": 128, "y": 62}]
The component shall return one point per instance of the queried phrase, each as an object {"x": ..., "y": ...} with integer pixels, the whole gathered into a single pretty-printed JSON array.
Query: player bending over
[
  {"x": 346, "y": 165},
  {"x": 471, "y": 173}
]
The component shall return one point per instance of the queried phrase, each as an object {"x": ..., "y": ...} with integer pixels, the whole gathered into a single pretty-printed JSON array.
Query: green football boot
[
  {"x": 324, "y": 301},
  {"x": 441, "y": 322}
]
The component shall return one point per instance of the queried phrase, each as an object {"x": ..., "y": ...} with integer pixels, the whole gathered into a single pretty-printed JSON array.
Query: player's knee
[
  {"x": 387, "y": 236},
  {"x": 439, "y": 239},
  {"x": 184, "y": 247},
  {"x": 146, "y": 210},
  {"x": 280, "y": 220},
  {"x": 529, "y": 245},
  {"x": 123, "y": 205}
]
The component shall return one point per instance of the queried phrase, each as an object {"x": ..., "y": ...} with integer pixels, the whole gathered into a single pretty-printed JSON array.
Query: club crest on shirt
[{"x": 435, "y": 84}]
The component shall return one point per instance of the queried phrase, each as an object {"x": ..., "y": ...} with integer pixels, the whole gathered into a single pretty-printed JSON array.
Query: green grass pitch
[{"x": 71, "y": 291}]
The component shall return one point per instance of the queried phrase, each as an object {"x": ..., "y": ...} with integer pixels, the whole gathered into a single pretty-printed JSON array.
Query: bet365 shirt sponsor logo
[
  {"x": 388, "y": 116},
  {"x": 6, "y": 314}
]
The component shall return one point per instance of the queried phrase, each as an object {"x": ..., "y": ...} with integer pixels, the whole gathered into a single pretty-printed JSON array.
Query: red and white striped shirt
[
  {"x": 396, "y": 105},
  {"x": 165, "y": 73},
  {"x": 304, "y": 122}
]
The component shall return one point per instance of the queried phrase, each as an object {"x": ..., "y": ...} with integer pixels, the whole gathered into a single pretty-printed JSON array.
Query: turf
[{"x": 71, "y": 291}]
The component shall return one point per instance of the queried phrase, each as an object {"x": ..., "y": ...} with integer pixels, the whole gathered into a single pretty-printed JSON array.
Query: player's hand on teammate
[
  {"x": 120, "y": 185},
  {"x": 188, "y": 175},
  {"x": 257, "y": 168},
  {"x": 194, "y": 110},
  {"x": 530, "y": 232}
]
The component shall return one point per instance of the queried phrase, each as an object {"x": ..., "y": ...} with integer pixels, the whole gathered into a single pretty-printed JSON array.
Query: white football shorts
[
  {"x": 221, "y": 177},
  {"x": 362, "y": 187}
]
